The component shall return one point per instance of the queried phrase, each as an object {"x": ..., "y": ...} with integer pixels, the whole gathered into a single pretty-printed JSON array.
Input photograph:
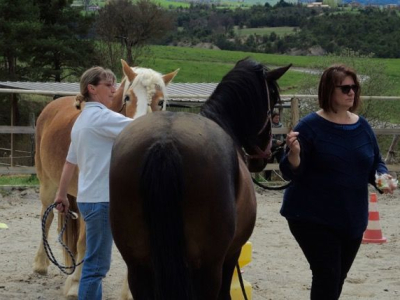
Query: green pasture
[
  {"x": 205, "y": 65},
  {"x": 280, "y": 31},
  {"x": 25, "y": 180},
  {"x": 173, "y": 4},
  {"x": 183, "y": 55},
  {"x": 162, "y": 3}
]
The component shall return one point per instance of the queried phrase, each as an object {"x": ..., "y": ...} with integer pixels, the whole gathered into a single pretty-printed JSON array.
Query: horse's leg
[
  {"x": 126, "y": 293},
  {"x": 47, "y": 194},
  {"x": 227, "y": 274},
  {"x": 141, "y": 282},
  {"x": 207, "y": 281},
  {"x": 71, "y": 286}
]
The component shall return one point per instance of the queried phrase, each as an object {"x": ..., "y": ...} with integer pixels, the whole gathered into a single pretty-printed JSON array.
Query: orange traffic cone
[{"x": 373, "y": 234}]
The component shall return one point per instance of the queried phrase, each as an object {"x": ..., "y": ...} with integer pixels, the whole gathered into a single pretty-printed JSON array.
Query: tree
[
  {"x": 19, "y": 24},
  {"x": 133, "y": 24},
  {"x": 62, "y": 49}
]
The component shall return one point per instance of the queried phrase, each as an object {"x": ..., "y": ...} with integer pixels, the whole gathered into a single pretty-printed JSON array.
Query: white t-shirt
[{"x": 92, "y": 138}]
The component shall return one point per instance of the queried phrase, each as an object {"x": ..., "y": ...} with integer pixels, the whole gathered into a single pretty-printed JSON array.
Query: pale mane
[{"x": 151, "y": 80}]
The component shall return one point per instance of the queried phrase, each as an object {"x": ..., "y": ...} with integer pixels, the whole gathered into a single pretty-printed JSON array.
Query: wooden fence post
[
  {"x": 295, "y": 113},
  {"x": 32, "y": 121},
  {"x": 13, "y": 112}
]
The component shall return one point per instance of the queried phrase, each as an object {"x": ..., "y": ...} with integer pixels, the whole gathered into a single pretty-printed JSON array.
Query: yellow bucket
[{"x": 244, "y": 259}]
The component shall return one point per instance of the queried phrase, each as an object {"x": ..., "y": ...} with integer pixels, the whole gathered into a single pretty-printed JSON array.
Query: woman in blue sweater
[{"x": 331, "y": 156}]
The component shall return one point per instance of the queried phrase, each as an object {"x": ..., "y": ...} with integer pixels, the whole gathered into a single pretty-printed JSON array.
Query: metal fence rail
[{"x": 189, "y": 103}]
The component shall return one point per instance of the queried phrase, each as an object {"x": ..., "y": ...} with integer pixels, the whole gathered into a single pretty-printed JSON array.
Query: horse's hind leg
[
  {"x": 47, "y": 195},
  {"x": 227, "y": 273},
  {"x": 71, "y": 286},
  {"x": 207, "y": 281},
  {"x": 141, "y": 281}
]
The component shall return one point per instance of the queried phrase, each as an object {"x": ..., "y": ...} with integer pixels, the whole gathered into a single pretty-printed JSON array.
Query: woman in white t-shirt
[{"x": 92, "y": 138}]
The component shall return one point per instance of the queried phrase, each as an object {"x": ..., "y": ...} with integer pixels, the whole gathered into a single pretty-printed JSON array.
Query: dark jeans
[{"x": 330, "y": 255}]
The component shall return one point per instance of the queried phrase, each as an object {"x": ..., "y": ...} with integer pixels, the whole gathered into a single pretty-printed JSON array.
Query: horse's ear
[
  {"x": 128, "y": 71},
  {"x": 168, "y": 77},
  {"x": 277, "y": 73}
]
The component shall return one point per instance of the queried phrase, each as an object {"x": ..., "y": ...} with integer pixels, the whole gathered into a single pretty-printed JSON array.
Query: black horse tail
[{"x": 162, "y": 190}]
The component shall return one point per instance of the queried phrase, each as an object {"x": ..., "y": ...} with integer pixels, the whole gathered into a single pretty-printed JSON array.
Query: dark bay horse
[
  {"x": 182, "y": 203},
  {"x": 140, "y": 89}
]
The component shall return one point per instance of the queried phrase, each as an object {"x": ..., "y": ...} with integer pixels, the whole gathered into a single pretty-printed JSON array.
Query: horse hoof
[
  {"x": 72, "y": 295},
  {"x": 40, "y": 271},
  {"x": 71, "y": 288}
]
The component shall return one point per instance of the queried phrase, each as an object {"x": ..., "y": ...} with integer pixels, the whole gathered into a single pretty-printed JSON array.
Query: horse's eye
[{"x": 126, "y": 98}]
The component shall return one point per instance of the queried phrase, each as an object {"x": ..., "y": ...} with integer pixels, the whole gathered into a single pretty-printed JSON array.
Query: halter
[
  {"x": 123, "y": 106},
  {"x": 266, "y": 154}
]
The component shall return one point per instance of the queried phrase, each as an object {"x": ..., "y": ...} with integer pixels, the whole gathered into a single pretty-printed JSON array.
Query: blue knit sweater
[{"x": 330, "y": 186}]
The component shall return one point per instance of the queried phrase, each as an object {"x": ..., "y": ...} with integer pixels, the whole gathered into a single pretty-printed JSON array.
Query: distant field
[
  {"x": 205, "y": 65},
  {"x": 167, "y": 3},
  {"x": 255, "y": 2},
  {"x": 163, "y": 3},
  {"x": 280, "y": 31}
]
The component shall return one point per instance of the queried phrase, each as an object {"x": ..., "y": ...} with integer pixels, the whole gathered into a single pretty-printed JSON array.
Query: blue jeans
[{"x": 98, "y": 249}]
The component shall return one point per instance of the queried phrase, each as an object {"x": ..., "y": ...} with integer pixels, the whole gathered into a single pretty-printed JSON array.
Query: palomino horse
[
  {"x": 182, "y": 203},
  {"x": 139, "y": 89}
]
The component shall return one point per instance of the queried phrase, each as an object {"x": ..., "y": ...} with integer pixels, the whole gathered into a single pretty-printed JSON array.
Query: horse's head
[
  {"x": 258, "y": 147},
  {"x": 142, "y": 89},
  {"x": 242, "y": 105}
]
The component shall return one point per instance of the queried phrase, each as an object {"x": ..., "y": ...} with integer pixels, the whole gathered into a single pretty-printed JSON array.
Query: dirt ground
[{"x": 277, "y": 271}]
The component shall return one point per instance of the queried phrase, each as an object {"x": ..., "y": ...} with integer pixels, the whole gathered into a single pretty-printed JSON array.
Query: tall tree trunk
[
  {"x": 129, "y": 57},
  {"x": 11, "y": 66}
]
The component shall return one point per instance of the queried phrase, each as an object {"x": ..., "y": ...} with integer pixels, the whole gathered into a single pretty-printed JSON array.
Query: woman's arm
[{"x": 61, "y": 196}]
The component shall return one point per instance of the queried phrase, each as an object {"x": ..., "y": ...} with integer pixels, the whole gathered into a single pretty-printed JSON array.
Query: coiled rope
[{"x": 46, "y": 245}]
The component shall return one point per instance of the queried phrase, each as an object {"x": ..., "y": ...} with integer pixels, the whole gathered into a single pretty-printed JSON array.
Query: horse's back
[
  {"x": 53, "y": 129},
  {"x": 210, "y": 173}
]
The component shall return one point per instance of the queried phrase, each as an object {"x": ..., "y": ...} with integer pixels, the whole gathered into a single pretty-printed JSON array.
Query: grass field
[
  {"x": 205, "y": 65},
  {"x": 19, "y": 180},
  {"x": 162, "y": 3},
  {"x": 280, "y": 31}
]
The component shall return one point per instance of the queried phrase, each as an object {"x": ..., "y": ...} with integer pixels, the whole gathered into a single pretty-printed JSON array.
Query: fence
[{"x": 291, "y": 102}]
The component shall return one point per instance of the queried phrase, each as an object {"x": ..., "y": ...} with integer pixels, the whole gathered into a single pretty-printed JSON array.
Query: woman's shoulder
[
  {"x": 309, "y": 120},
  {"x": 101, "y": 115},
  {"x": 364, "y": 123}
]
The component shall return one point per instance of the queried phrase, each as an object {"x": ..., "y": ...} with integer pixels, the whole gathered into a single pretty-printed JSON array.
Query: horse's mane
[
  {"x": 239, "y": 103},
  {"x": 151, "y": 80}
]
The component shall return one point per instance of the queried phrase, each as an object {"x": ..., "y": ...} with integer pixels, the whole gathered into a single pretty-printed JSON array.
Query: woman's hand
[
  {"x": 293, "y": 144},
  {"x": 61, "y": 196},
  {"x": 391, "y": 184},
  {"x": 62, "y": 203}
]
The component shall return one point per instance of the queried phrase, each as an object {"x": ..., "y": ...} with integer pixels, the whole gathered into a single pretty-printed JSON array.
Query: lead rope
[
  {"x": 241, "y": 281},
  {"x": 46, "y": 245}
]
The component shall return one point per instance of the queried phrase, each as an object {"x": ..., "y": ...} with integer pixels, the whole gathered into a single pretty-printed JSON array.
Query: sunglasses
[{"x": 346, "y": 88}]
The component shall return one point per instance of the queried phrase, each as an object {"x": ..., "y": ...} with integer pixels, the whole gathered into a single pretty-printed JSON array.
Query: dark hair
[
  {"x": 274, "y": 114},
  {"x": 332, "y": 77}
]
